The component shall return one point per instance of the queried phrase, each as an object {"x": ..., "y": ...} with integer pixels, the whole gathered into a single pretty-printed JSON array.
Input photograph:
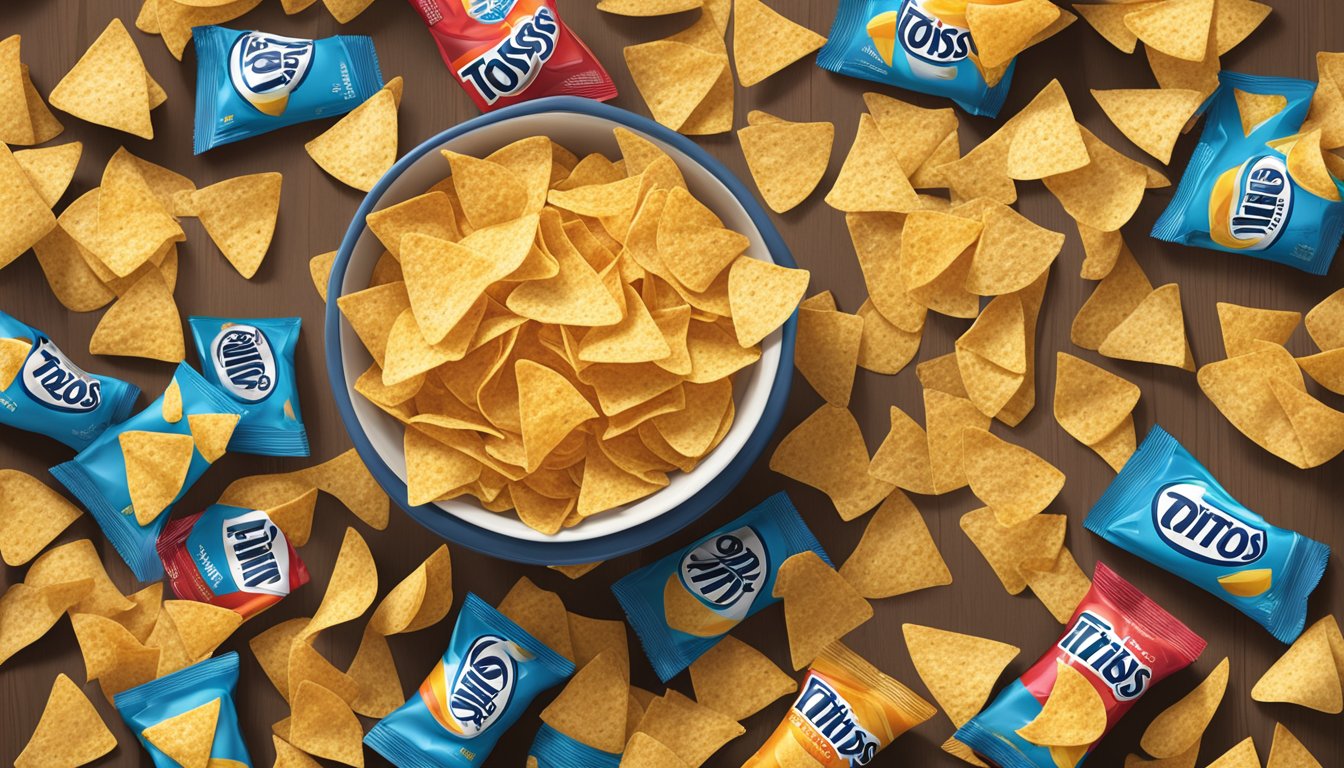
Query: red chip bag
[{"x": 506, "y": 51}]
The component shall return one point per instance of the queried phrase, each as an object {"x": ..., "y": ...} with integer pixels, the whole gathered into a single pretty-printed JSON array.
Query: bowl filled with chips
[{"x": 560, "y": 332}]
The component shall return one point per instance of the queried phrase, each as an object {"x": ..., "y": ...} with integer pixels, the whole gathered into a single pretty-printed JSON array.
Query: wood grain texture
[{"x": 315, "y": 212}]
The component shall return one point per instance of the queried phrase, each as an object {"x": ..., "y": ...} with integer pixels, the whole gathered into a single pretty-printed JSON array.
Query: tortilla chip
[
  {"x": 541, "y": 613},
  {"x": 1011, "y": 253},
  {"x": 826, "y": 451},
  {"x": 1101, "y": 249},
  {"x": 738, "y": 680},
  {"x": 1105, "y": 193},
  {"x": 764, "y": 42},
  {"x": 896, "y": 554},
  {"x": 1305, "y": 674},
  {"x": 870, "y": 178},
  {"x": 691, "y": 731},
  {"x": 672, "y": 77},
  {"x": 1090, "y": 402},
  {"x": 1060, "y": 585},
  {"x": 827, "y": 352},
  {"x": 156, "y": 469},
  {"x": 1243, "y": 755},
  {"x": 28, "y": 217},
  {"x": 1016, "y": 483},
  {"x": 50, "y": 169},
  {"x": 786, "y": 160},
  {"x": 75, "y": 561},
  {"x": 959, "y": 670},
  {"x": 34, "y": 516},
  {"x": 1179, "y": 28},
  {"x": 28, "y": 611},
  {"x": 69, "y": 732},
  {"x": 1288, "y": 752},
  {"x": 323, "y": 724},
  {"x": 202, "y": 626},
  {"x": 210, "y": 432},
  {"x": 876, "y": 238},
  {"x": 884, "y": 347},
  {"x": 903, "y": 457},
  {"x": 239, "y": 215},
  {"x": 319, "y": 268},
  {"x": 108, "y": 85},
  {"x": 1242, "y": 326},
  {"x": 360, "y": 147},
  {"x": 1175, "y": 72},
  {"x": 1113, "y": 300},
  {"x": 945, "y": 415},
  {"x": 1240, "y": 389},
  {"x": 1073, "y": 714},
  {"x": 1008, "y": 549},
  {"x": 1181, "y": 725},
  {"x": 374, "y": 669},
  {"x": 186, "y": 738},
  {"x": 1153, "y": 333},
  {"x": 1152, "y": 118},
  {"x": 1046, "y": 140},
  {"x": 591, "y": 708},
  {"x": 1002, "y": 31},
  {"x": 820, "y": 606}
]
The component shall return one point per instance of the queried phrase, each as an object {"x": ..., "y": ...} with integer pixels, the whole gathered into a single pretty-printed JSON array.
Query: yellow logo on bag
[{"x": 1248, "y": 583}]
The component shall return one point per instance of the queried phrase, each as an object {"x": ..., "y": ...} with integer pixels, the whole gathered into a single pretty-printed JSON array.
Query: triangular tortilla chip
[
  {"x": 691, "y": 731},
  {"x": 786, "y": 160},
  {"x": 738, "y": 680},
  {"x": 827, "y": 452},
  {"x": 1179, "y": 28},
  {"x": 1073, "y": 714},
  {"x": 592, "y": 708},
  {"x": 362, "y": 145},
  {"x": 1046, "y": 140},
  {"x": 1016, "y": 483},
  {"x": 903, "y": 457},
  {"x": 1305, "y": 674},
  {"x": 884, "y": 347},
  {"x": 132, "y": 222},
  {"x": 1242, "y": 326},
  {"x": 765, "y": 42},
  {"x": 827, "y": 352},
  {"x": 28, "y": 218},
  {"x": 239, "y": 215},
  {"x": 1090, "y": 401},
  {"x": 1153, "y": 333},
  {"x": 1318, "y": 427},
  {"x": 896, "y": 554},
  {"x": 1002, "y": 31},
  {"x": 211, "y": 432},
  {"x": 1012, "y": 252},
  {"x": 108, "y": 85},
  {"x": 959, "y": 670},
  {"x": 50, "y": 169},
  {"x": 156, "y": 469},
  {"x": 1256, "y": 108},
  {"x": 1234, "y": 21},
  {"x": 70, "y": 730},
  {"x": 1109, "y": 21},
  {"x": 1105, "y": 193},
  {"x": 871, "y": 178},
  {"x": 445, "y": 280},
  {"x": 820, "y": 607},
  {"x": 1152, "y": 118},
  {"x": 763, "y": 296},
  {"x": 201, "y": 626},
  {"x": 1288, "y": 752},
  {"x": 186, "y": 738},
  {"x": 672, "y": 77},
  {"x": 1180, "y": 726}
]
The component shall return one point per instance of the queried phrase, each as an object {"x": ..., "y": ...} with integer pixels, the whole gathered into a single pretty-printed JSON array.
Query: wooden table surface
[{"x": 315, "y": 212}]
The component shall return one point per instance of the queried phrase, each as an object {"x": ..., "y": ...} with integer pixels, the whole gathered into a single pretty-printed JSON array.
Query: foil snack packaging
[
  {"x": 504, "y": 52},
  {"x": 52, "y": 396},
  {"x": 1166, "y": 508},
  {"x": 233, "y": 557},
  {"x": 553, "y": 749},
  {"x": 1238, "y": 193},
  {"x": 685, "y": 602},
  {"x": 919, "y": 45},
  {"x": 97, "y": 475},
  {"x": 491, "y": 672},
  {"x": 1120, "y": 642},
  {"x": 253, "y": 361},
  {"x": 200, "y": 684},
  {"x": 845, "y": 713},
  {"x": 249, "y": 82}
]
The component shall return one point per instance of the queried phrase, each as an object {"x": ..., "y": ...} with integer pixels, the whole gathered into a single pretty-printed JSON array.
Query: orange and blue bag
[
  {"x": 506, "y": 51},
  {"x": 846, "y": 712}
]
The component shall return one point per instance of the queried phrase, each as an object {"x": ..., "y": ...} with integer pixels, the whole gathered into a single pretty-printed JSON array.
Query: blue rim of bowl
[{"x": 612, "y": 545}]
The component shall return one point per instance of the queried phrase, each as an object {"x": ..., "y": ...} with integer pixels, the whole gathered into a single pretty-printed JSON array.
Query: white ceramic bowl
[{"x": 759, "y": 391}]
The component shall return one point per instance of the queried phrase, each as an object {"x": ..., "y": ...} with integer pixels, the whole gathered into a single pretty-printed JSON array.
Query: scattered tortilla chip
[
  {"x": 591, "y": 708},
  {"x": 351, "y": 588},
  {"x": 28, "y": 216},
  {"x": 1046, "y": 140},
  {"x": 1101, "y": 249},
  {"x": 931, "y": 244},
  {"x": 1325, "y": 321},
  {"x": 1306, "y": 674},
  {"x": 108, "y": 85},
  {"x": 1116, "y": 447},
  {"x": 1012, "y": 480},
  {"x": 896, "y": 554},
  {"x": 1105, "y": 193},
  {"x": 959, "y": 670},
  {"x": 239, "y": 215},
  {"x": 1179, "y": 28},
  {"x": 1109, "y": 21},
  {"x": 375, "y": 671},
  {"x": 1113, "y": 300},
  {"x": 272, "y": 647},
  {"x": 28, "y": 611},
  {"x": 34, "y": 516},
  {"x": 876, "y": 238},
  {"x": 210, "y": 432},
  {"x": 883, "y": 346},
  {"x": 1175, "y": 72},
  {"x": 74, "y": 561},
  {"x": 50, "y": 169},
  {"x": 903, "y": 457},
  {"x": 1073, "y": 715},
  {"x": 917, "y": 133},
  {"x": 70, "y": 731},
  {"x": 1288, "y": 752},
  {"x": 1180, "y": 726},
  {"x": 694, "y": 732},
  {"x": 1090, "y": 402},
  {"x": 186, "y": 738},
  {"x": 13, "y": 354},
  {"x": 360, "y": 147},
  {"x": 541, "y": 613},
  {"x": 201, "y": 626},
  {"x": 143, "y": 322},
  {"x": 1002, "y": 31},
  {"x": 346, "y": 478},
  {"x": 1152, "y": 118},
  {"x": 1060, "y": 585},
  {"x": 70, "y": 277},
  {"x": 644, "y": 751},
  {"x": 826, "y": 451},
  {"x": 419, "y": 600},
  {"x": 1234, "y": 21},
  {"x": 286, "y": 754},
  {"x": 764, "y": 42},
  {"x": 1007, "y": 549},
  {"x": 738, "y": 680},
  {"x": 786, "y": 160},
  {"x": 323, "y": 725},
  {"x": 1243, "y": 755},
  {"x": 945, "y": 415},
  {"x": 1011, "y": 253},
  {"x": 1153, "y": 333},
  {"x": 319, "y": 268},
  {"x": 763, "y": 296},
  {"x": 827, "y": 352},
  {"x": 870, "y": 178},
  {"x": 820, "y": 606},
  {"x": 156, "y": 469},
  {"x": 672, "y": 77},
  {"x": 1256, "y": 108}
]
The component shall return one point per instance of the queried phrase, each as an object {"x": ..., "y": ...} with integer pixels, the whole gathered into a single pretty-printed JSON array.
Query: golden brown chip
[
  {"x": 876, "y": 238},
  {"x": 541, "y": 613},
  {"x": 1179, "y": 28},
  {"x": 70, "y": 731},
  {"x": 1154, "y": 332},
  {"x": 1241, "y": 326},
  {"x": 591, "y": 708},
  {"x": 108, "y": 85},
  {"x": 74, "y": 561},
  {"x": 672, "y": 77},
  {"x": 1180, "y": 726},
  {"x": 28, "y": 217},
  {"x": 884, "y": 347},
  {"x": 763, "y": 296},
  {"x": 1090, "y": 402},
  {"x": 870, "y": 178},
  {"x": 144, "y": 322},
  {"x": 764, "y": 42},
  {"x": 827, "y": 352},
  {"x": 1073, "y": 714},
  {"x": 1288, "y": 752},
  {"x": 1305, "y": 674},
  {"x": 360, "y": 147},
  {"x": 323, "y": 725},
  {"x": 202, "y": 626},
  {"x": 903, "y": 457},
  {"x": 1060, "y": 585},
  {"x": 1002, "y": 31},
  {"x": 896, "y": 554},
  {"x": 786, "y": 160},
  {"x": 644, "y": 751},
  {"x": 50, "y": 169},
  {"x": 693, "y": 732},
  {"x": 27, "y": 612},
  {"x": 34, "y": 516},
  {"x": 1012, "y": 252},
  {"x": 187, "y": 737},
  {"x": 1243, "y": 755},
  {"x": 1046, "y": 140},
  {"x": 1240, "y": 389},
  {"x": 1113, "y": 300},
  {"x": 1152, "y": 118},
  {"x": 738, "y": 680},
  {"x": 156, "y": 469},
  {"x": 820, "y": 606},
  {"x": 1105, "y": 193},
  {"x": 827, "y": 452},
  {"x": 959, "y": 670},
  {"x": 239, "y": 215},
  {"x": 1007, "y": 549},
  {"x": 375, "y": 671},
  {"x": 1012, "y": 480}
]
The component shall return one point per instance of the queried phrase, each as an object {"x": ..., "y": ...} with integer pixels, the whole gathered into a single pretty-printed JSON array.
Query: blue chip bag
[
  {"x": 253, "y": 361},
  {"x": 52, "y": 396},
  {"x": 1166, "y": 508},
  {"x": 249, "y": 83},
  {"x": 919, "y": 45},
  {"x": 1237, "y": 194},
  {"x": 553, "y": 749},
  {"x": 184, "y": 690},
  {"x": 97, "y": 474},
  {"x": 491, "y": 672},
  {"x": 682, "y": 604}
]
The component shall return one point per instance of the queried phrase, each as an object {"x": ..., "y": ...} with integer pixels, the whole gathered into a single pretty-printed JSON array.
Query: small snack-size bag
[
  {"x": 553, "y": 749},
  {"x": 1117, "y": 646},
  {"x": 42, "y": 391},
  {"x": 253, "y": 361},
  {"x": 249, "y": 82},
  {"x": 131, "y": 476},
  {"x": 167, "y": 712},
  {"x": 233, "y": 557},
  {"x": 504, "y": 52},
  {"x": 683, "y": 603},
  {"x": 491, "y": 672},
  {"x": 919, "y": 45},
  {"x": 1253, "y": 185},
  {"x": 1168, "y": 509},
  {"x": 847, "y": 710}
]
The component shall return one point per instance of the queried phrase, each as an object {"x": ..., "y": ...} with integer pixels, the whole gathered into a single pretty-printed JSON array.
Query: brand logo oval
[
  {"x": 246, "y": 365},
  {"x": 930, "y": 39},
  {"x": 1201, "y": 531},
  {"x": 1263, "y": 199},
  {"x": 510, "y": 66},
  {"x": 266, "y": 68},
  {"x": 52, "y": 380},
  {"x": 726, "y": 571},
  {"x": 257, "y": 553},
  {"x": 483, "y": 685}
]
